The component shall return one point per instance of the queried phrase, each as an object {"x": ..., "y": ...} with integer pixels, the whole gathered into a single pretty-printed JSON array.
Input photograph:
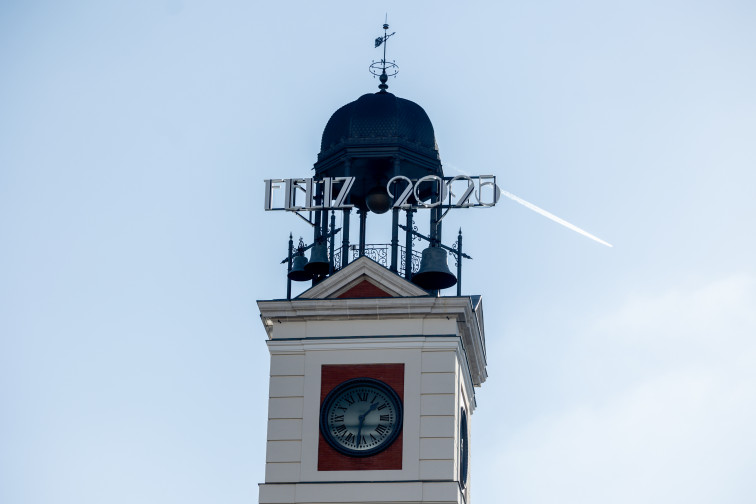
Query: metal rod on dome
[
  {"x": 459, "y": 263},
  {"x": 435, "y": 221},
  {"x": 345, "y": 238},
  {"x": 363, "y": 223},
  {"x": 408, "y": 246},
  {"x": 395, "y": 223},
  {"x": 346, "y": 217},
  {"x": 394, "y": 240},
  {"x": 288, "y": 269},
  {"x": 317, "y": 232},
  {"x": 385, "y": 42},
  {"x": 324, "y": 225},
  {"x": 380, "y": 68},
  {"x": 332, "y": 240},
  {"x": 321, "y": 215}
]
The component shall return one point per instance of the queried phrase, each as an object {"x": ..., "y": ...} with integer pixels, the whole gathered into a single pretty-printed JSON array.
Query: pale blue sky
[{"x": 134, "y": 138}]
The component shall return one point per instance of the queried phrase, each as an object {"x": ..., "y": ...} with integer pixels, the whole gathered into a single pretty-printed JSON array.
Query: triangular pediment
[{"x": 363, "y": 278}]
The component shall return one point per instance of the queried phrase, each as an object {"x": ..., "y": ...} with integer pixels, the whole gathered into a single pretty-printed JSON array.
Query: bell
[
  {"x": 318, "y": 264},
  {"x": 298, "y": 271},
  {"x": 434, "y": 273}
]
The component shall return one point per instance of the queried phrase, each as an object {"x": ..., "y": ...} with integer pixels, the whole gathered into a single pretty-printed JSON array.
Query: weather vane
[{"x": 384, "y": 69}]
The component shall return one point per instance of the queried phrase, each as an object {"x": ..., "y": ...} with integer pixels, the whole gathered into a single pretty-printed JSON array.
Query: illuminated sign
[{"x": 462, "y": 191}]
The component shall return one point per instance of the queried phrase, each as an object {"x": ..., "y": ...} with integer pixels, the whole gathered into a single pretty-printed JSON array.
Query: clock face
[
  {"x": 463, "y": 449},
  {"x": 361, "y": 417}
]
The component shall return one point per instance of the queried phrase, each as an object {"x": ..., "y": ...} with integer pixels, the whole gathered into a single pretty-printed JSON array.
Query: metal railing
[{"x": 380, "y": 253}]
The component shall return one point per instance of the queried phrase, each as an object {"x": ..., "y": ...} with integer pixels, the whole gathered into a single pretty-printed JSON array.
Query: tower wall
[{"x": 437, "y": 384}]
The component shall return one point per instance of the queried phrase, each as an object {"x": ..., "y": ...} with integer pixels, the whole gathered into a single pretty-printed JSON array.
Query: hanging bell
[
  {"x": 318, "y": 264},
  {"x": 299, "y": 271},
  {"x": 434, "y": 273}
]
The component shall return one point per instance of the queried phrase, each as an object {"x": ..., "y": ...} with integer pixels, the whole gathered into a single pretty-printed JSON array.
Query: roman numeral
[
  {"x": 382, "y": 406},
  {"x": 342, "y": 408},
  {"x": 349, "y": 399},
  {"x": 341, "y": 428},
  {"x": 362, "y": 397},
  {"x": 374, "y": 398},
  {"x": 362, "y": 440},
  {"x": 381, "y": 429},
  {"x": 349, "y": 438},
  {"x": 338, "y": 418},
  {"x": 384, "y": 418}
]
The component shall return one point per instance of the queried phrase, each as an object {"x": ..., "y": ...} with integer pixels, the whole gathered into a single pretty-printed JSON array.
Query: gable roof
[{"x": 363, "y": 278}]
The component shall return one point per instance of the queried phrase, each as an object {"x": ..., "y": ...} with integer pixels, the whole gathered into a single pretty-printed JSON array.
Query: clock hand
[
  {"x": 372, "y": 407},
  {"x": 359, "y": 431},
  {"x": 362, "y": 417},
  {"x": 362, "y": 420}
]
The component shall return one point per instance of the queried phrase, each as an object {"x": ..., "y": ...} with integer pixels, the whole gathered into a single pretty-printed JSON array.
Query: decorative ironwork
[
  {"x": 378, "y": 253},
  {"x": 416, "y": 257},
  {"x": 416, "y": 236},
  {"x": 384, "y": 69},
  {"x": 456, "y": 253},
  {"x": 381, "y": 253},
  {"x": 337, "y": 258}
]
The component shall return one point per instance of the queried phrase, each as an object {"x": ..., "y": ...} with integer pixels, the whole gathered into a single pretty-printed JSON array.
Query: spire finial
[{"x": 384, "y": 69}]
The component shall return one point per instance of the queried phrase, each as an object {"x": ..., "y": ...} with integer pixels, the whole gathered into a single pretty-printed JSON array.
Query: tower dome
[
  {"x": 377, "y": 137},
  {"x": 379, "y": 118}
]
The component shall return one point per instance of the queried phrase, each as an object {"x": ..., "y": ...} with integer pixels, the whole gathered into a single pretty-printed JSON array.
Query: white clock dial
[{"x": 361, "y": 417}]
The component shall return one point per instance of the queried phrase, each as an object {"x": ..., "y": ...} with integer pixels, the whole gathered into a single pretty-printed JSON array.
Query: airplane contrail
[
  {"x": 541, "y": 211},
  {"x": 553, "y": 217}
]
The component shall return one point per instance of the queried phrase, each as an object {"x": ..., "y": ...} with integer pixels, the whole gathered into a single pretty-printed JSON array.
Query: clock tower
[{"x": 372, "y": 370}]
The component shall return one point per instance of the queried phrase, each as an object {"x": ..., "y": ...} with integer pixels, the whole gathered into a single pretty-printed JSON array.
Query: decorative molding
[{"x": 459, "y": 309}]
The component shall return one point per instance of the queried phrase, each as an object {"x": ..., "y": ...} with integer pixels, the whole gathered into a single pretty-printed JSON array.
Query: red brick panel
[
  {"x": 332, "y": 375},
  {"x": 365, "y": 289}
]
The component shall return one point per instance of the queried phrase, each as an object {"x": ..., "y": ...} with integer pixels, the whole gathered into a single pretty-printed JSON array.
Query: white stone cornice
[
  {"x": 350, "y": 308},
  {"x": 460, "y": 309}
]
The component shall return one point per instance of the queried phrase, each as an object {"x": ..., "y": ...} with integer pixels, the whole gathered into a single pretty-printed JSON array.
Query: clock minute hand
[
  {"x": 359, "y": 431},
  {"x": 362, "y": 420}
]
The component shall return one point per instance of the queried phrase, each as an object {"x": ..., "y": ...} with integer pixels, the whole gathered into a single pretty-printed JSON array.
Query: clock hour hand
[{"x": 372, "y": 407}]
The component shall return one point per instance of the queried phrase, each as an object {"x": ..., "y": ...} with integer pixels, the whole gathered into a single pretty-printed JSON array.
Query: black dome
[
  {"x": 375, "y": 138},
  {"x": 379, "y": 118}
]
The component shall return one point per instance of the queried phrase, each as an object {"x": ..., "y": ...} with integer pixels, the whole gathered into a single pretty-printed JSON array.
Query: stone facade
[{"x": 438, "y": 345}]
